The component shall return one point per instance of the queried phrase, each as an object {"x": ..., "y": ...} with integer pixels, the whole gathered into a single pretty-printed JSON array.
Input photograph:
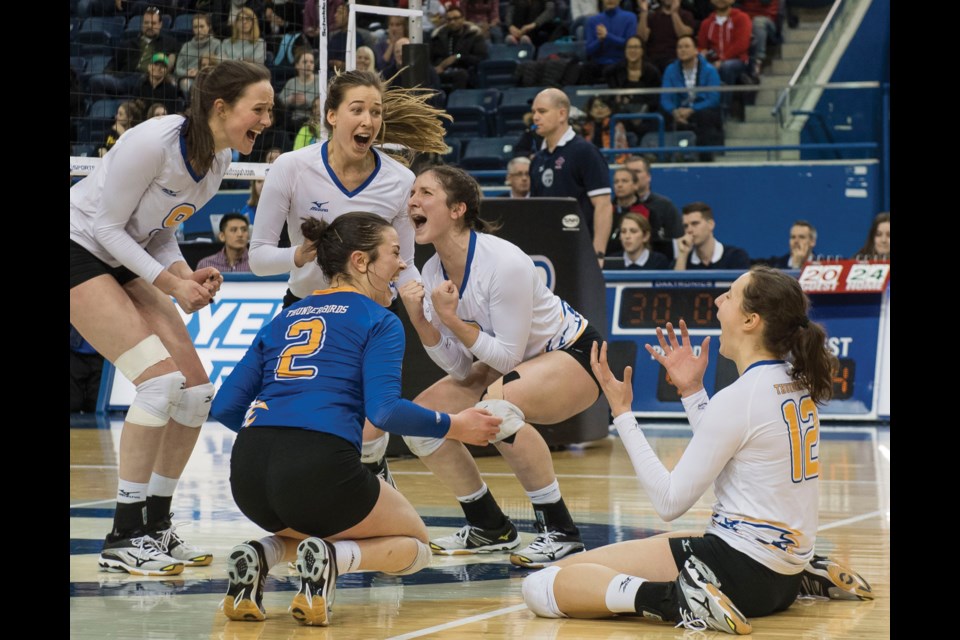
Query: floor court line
[
  {"x": 91, "y": 504},
  {"x": 457, "y": 623},
  {"x": 851, "y": 520}
]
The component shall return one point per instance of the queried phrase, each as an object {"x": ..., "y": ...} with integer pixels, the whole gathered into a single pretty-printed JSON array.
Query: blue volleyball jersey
[{"x": 324, "y": 364}]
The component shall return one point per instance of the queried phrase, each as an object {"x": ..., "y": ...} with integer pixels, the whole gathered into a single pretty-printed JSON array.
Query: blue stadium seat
[
  {"x": 83, "y": 150},
  {"x": 473, "y": 112},
  {"x": 497, "y": 71},
  {"x": 133, "y": 25},
  {"x": 106, "y": 108},
  {"x": 515, "y": 104},
  {"x": 517, "y": 53},
  {"x": 580, "y": 102},
  {"x": 672, "y": 139},
  {"x": 98, "y": 63},
  {"x": 182, "y": 28},
  {"x": 454, "y": 146},
  {"x": 563, "y": 49},
  {"x": 488, "y": 153},
  {"x": 78, "y": 64},
  {"x": 111, "y": 25}
]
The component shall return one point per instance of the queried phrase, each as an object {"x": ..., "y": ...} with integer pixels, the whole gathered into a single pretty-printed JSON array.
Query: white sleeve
[
  {"x": 450, "y": 355},
  {"x": 266, "y": 258},
  {"x": 165, "y": 248},
  {"x": 135, "y": 164},
  {"x": 511, "y": 311},
  {"x": 695, "y": 407},
  {"x": 672, "y": 493},
  {"x": 405, "y": 232}
]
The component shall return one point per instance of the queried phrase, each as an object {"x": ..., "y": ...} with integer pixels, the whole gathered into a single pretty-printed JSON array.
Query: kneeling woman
[
  {"x": 309, "y": 378},
  {"x": 482, "y": 298}
]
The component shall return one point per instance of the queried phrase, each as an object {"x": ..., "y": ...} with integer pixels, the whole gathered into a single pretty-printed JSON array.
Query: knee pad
[
  {"x": 537, "y": 589},
  {"x": 421, "y": 446},
  {"x": 421, "y": 561},
  {"x": 193, "y": 407},
  {"x": 151, "y": 406},
  {"x": 374, "y": 450},
  {"x": 141, "y": 357},
  {"x": 513, "y": 418}
]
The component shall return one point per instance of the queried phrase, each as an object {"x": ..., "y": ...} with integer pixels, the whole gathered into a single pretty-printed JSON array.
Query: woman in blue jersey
[
  {"x": 347, "y": 172},
  {"x": 481, "y": 297},
  {"x": 124, "y": 266},
  {"x": 756, "y": 442},
  {"x": 298, "y": 398}
]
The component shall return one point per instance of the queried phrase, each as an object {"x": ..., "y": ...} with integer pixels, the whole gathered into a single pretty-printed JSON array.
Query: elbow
[{"x": 669, "y": 515}]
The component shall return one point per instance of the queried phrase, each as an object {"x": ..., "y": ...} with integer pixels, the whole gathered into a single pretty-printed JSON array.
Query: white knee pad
[
  {"x": 421, "y": 446},
  {"x": 141, "y": 357},
  {"x": 513, "y": 418},
  {"x": 193, "y": 407},
  {"x": 374, "y": 450},
  {"x": 151, "y": 406},
  {"x": 420, "y": 562},
  {"x": 537, "y": 589}
]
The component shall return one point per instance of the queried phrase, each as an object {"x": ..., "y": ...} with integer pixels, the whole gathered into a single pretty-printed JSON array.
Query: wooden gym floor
[{"x": 477, "y": 597}]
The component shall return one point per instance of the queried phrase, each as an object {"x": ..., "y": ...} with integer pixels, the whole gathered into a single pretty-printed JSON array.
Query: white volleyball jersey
[
  {"x": 757, "y": 441},
  {"x": 127, "y": 210},
  {"x": 504, "y": 296},
  {"x": 301, "y": 184}
]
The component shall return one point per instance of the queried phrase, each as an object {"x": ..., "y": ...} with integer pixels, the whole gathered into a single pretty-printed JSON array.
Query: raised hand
[
  {"x": 412, "y": 295},
  {"x": 445, "y": 300},
  {"x": 686, "y": 369},
  {"x": 619, "y": 394}
]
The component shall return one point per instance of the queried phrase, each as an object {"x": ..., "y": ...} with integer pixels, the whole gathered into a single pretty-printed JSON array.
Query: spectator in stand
[
  {"x": 434, "y": 12},
  {"x": 803, "y": 238},
  {"x": 530, "y": 22},
  {"x": 397, "y": 27},
  {"x": 249, "y": 210},
  {"x": 234, "y": 256},
  {"x": 157, "y": 86},
  {"x": 633, "y": 72},
  {"x": 156, "y": 110},
  {"x": 311, "y": 23},
  {"x": 530, "y": 140},
  {"x": 764, "y": 15},
  {"x": 661, "y": 28},
  {"x": 699, "y": 249},
  {"x": 301, "y": 90},
  {"x": 596, "y": 126},
  {"x": 137, "y": 51},
  {"x": 697, "y": 111},
  {"x": 310, "y": 131},
  {"x": 877, "y": 246},
  {"x": 665, "y": 222},
  {"x": 724, "y": 39},
  {"x": 366, "y": 59},
  {"x": 568, "y": 166},
  {"x": 607, "y": 33},
  {"x": 129, "y": 115},
  {"x": 634, "y": 234},
  {"x": 486, "y": 15},
  {"x": 456, "y": 49},
  {"x": 202, "y": 45},
  {"x": 518, "y": 177},
  {"x": 245, "y": 42}
]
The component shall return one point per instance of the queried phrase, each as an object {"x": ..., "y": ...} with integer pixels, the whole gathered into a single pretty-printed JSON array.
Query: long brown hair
[
  {"x": 460, "y": 186},
  {"x": 868, "y": 250},
  {"x": 408, "y": 119},
  {"x": 788, "y": 331},
  {"x": 227, "y": 80}
]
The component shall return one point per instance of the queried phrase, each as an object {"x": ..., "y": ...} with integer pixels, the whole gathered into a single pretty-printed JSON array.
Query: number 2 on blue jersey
[
  {"x": 306, "y": 337},
  {"x": 803, "y": 427}
]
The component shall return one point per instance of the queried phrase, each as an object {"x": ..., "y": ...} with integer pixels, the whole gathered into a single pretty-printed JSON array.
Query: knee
[
  {"x": 420, "y": 561},
  {"x": 421, "y": 446},
  {"x": 538, "y": 595},
  {"x": 193, "y": 406},
  {"x": 151, "y": 406}
]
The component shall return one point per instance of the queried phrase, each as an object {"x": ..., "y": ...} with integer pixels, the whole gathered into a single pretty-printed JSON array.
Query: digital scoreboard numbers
[
  {"x": 845, "y": 276},
  {"x": 649, "y": 308}
]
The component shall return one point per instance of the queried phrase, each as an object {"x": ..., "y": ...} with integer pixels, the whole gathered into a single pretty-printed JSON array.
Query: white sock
[
  {"x": 273, "y": 549},
  {"x": 348, "y": 556},
  {"x": 476, "y": 495},
  {"x": 130, "y": 492},
  {"x": 622, "y": 593},
  {"x": 161, "y": 485},
  {"x": 548, "y": 495}
]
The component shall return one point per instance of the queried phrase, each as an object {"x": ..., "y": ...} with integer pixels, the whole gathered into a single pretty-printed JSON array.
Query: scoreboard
[{"x": 856, "y": 320}]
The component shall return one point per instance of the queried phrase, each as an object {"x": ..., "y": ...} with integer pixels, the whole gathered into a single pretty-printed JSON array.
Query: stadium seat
[
  {"x": 515, "y": 104},
  {"x": 106, "y": 108},
  {"x": 182, "y": 28},
  {"x": 473, "y": 112},
  {"x": 672, "y": 139},
  {"x": 580, "y": 101},
  {"x": 563, "y": 49},
  {"x": 488, "y": 153},
  {"x": 454, "y": 146}
]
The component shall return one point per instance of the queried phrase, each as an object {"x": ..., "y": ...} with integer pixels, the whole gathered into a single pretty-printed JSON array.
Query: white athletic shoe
[
  {"x": 139, "y": 556},
  {"x": 547, "y": 548},
  {"x": 247, "y": 572},
  {"x": 703, "y": 606},
  {"x": 470, "y": 539},
  {"x": 317, "y": 564},
  {"x": 177, "y": 548}
]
